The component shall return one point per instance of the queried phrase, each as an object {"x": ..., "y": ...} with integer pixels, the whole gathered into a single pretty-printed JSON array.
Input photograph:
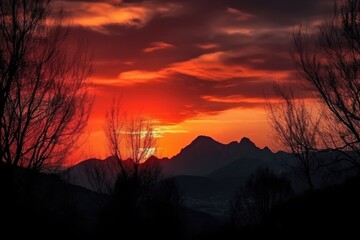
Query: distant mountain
[
  {"x": 100, "y": 175},
  {"x": 245, "y": 166},
  {"x": 204, "y": 155},
  {"x": 94, "y": 174},
  {"x": 201, "y": 157},
  {"x": 208, "y": 173},
  {"x": 242, "y": 167}
]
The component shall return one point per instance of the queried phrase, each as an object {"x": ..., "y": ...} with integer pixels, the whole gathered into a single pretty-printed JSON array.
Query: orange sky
[
  {"x": 196, "y": 67},
  {"x": 228, "y": 126}
]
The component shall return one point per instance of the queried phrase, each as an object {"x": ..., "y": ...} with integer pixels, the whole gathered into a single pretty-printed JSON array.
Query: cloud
[
  {"x": 240, "y": 15},
  {"x": 156, "y": 46},
  {"x": 174, "y": 97},
  {"x": 207, "y": 46},
  {"x": 238, "y": 30},
  {"x": 177, "y": 59},
  {"x": 216, "y": 66},
  {"x": 185, "y": 97},
  {"x": 212, "y": 66},
  {"x": 99, "y": 14},
  {"x": 234, "y": 99}
]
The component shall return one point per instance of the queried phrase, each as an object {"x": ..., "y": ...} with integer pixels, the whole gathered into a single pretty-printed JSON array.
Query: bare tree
[
  {"x": 140, "y": 141},
  {"x": 263, "y": 191},
  {"x": 44, "y": 105},
  {"x": 131, "y": 141},
  {"x": 101, "y": 176},
  {"x": 297, "y": 130},
  {"x": 114, "y": 128},
  {"x": 139, "y": 192},
  {"x": 329, "y": 61}
]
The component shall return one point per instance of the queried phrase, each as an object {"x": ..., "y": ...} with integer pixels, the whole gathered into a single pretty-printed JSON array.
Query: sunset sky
[{"x": 197, "y": 67}]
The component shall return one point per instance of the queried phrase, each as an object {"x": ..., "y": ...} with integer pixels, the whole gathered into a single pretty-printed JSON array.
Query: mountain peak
[
  {"x": 245, "y": 141},
  {"x": 203, "y": 138},
  {"x": 267, "y": 149}
]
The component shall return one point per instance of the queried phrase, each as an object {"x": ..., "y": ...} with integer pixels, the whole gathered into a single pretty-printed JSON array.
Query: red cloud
[{"x": 155, "y": 46}]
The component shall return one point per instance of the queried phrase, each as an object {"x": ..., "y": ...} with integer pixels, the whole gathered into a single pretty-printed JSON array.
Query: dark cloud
[
  {"x": 271, "y": 61},
  {"x": 283, "y": 12}
]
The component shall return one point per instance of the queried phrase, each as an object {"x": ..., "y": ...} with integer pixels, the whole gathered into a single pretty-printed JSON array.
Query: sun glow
[{"x": 170, "y": 138}]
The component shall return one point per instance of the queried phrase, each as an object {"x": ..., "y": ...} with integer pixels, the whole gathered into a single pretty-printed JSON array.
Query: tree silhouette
[
  {"x": 297, "y": 130},
  {"x": 140, "y": 197},
  {"x": 262, "y": 192},
  {"x": 44, "y": 105},
  {"x": 129, "y": 138},
  {"x": 101, "y": 176},
  {"x": 329, "y": 61},
  {"x": 134, "y": 138}
]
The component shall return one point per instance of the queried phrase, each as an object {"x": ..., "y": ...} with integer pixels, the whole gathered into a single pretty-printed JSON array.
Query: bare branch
[
  {"x": 296, "y": 129},
  {"x": 330, "y": 64},
  {"x": 44, "y": 103}
]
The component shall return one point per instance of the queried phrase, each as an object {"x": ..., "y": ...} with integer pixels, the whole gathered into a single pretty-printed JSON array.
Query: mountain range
[
  {"x": 207, "y": 172},
  {"x": 203, "y": 157}
]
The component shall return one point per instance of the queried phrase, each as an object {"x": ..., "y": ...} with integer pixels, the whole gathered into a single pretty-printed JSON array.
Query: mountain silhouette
[
  {"x": 207, "y": 172},
  {"x": 85, "y": 173},
  {"x": 100, "y": 175},
  {"x": 205, "y": 155}
]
